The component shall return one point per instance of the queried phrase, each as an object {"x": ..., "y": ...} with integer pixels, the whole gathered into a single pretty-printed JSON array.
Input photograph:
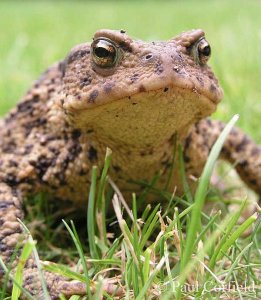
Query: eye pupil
[
  {"x": 206, "y": 51},
  {"x": 101, "y": 52},
  {"x": 201, "y": 51},
  {"x": 104, "y": 53}
]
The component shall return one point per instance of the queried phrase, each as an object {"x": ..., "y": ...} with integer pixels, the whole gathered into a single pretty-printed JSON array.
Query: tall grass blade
[{"x": 200, "y": 195}]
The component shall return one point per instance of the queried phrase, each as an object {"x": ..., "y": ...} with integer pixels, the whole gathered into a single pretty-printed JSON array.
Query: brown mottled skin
[{"x": 132, "y": 96}]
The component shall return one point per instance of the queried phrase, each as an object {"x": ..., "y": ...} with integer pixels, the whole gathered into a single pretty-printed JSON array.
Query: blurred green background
[{"x": 34, "y": 34}]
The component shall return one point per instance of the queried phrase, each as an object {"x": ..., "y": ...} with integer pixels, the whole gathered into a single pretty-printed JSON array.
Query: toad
[{"x": 137, "y": 98}]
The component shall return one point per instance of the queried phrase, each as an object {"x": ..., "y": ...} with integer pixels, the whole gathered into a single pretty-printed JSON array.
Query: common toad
[{"x": 135, "y": 97}]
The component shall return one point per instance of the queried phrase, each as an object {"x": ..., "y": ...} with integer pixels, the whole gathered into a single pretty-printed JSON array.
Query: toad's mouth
[
  {"x": 192, "y": 95},
  {"x": 213, "y": 94},
  {"x": 145, "y": 117}
]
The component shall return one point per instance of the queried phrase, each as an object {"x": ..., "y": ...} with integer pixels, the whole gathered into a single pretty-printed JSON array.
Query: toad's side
[{"x": 134, "y": 97}]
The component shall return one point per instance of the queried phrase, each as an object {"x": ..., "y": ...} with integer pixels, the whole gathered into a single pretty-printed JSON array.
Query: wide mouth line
[{"x": 161, "y": 89}]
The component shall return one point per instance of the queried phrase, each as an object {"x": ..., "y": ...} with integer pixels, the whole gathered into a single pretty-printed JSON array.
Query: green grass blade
[
  {"x": 200, "y": 196},
  {"x": 91, "y": 215},
  {"x": 150, "y": 218},
  {"x": 83, "y": 261},
  {"x": 101, "y": 209},
  {"x": 63, "y": 271},
  {"x": 37, "y": 261},
  {"x": 206, "y": 228},
  {"x": 236, "y": 261},
  {"x": 26, "y": 252},
  {"x": 183, "y": 176},
  {"x": 149, "y": 231},
  {"x": 148, "y": 283},
  {"x": 236, "y": 234},
  {"x": 230, "y": 225}
]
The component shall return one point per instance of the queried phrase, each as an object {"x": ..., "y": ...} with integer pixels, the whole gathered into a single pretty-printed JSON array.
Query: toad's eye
[
  {"x": 202, "y": 51},
  {"x": 104, "y": 53}
]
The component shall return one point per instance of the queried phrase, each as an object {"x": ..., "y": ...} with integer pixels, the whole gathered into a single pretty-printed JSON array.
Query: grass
[
  {"x": 152, "y": 259},
  {"x": 149, "y": 250}
]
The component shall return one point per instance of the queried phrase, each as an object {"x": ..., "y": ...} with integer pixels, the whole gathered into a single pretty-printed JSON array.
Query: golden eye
[
  {"x": 104, "y": 53},
  {"x": 202, "y": 51}
]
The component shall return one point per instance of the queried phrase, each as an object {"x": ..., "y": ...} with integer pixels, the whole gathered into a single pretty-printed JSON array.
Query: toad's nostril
[{"x": 149, "y": 56}]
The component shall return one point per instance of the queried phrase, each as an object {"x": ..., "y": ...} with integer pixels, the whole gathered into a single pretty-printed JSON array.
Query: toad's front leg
[
  {"x": 12, "y": 235},
  {"x": 238, "y": 149}
]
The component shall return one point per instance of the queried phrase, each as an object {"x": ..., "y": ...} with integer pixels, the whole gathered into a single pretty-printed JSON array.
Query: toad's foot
[
  {"x": 55, "y": 284},
  {"x": 58, "y": 285}
]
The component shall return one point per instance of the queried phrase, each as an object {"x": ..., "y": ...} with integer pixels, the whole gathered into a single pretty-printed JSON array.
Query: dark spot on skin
[
  {"x": 134, "y": 77},
  {"x": 28, "y": 149},
  {"x": 25, "y": 107},
  {"x": 76, "y": 134},
  {"x": 187, "y": 142},
  {"x": 142, "y": 88},
  {"x": 94, "y": 94},
  {"x": 200, "y": 80},
  {"x": 73, "y": 153},
  {"x": 243, "y": 163},
  {"x": 29, "y": 280},
  {"x": 108, "y": 87},
  {"x": 212, "y": 88},
  {"x": 186, "y": 159},
  {"x": 61, "y": 177},
  {"x": 158, "y": 68},
  {"x": 12, "y": 163},
  {"x": 41, "y": 165},
  {"x": 209, "y": 123},
  {"x": 83, "y": 172},
  {"x": 253, "y": 181},
  {"x": 125, "y": 46},
  {"x": 116, "y": 168},
  {"x": 40, "y": 122},
  {"x": 129, "y": 97},
  {"x": 243, "y": 144},
  {"x": 134, "y": 103},
  {"x": 11, "y": 180},
  {"x": 76, "y": 55},
  {"x": 225, "y": 152},
  {"x": 6, "y": 204},
  {"x": 85, "y": 81},
  {"x": 51, "y": 90},
  {"x": 146, "y": 152},
  {"x": 256, "y": 151},
  {"x": 92, "y": 154},
  {"x": 54, "y": 150},
  {"x": 3, "y": 248},
  {"x": 9, "y": 147},
  {"x": 165, "y": 89},
  {"x": 122, "y": 31},
  {"x": 166, "y": 164}
]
